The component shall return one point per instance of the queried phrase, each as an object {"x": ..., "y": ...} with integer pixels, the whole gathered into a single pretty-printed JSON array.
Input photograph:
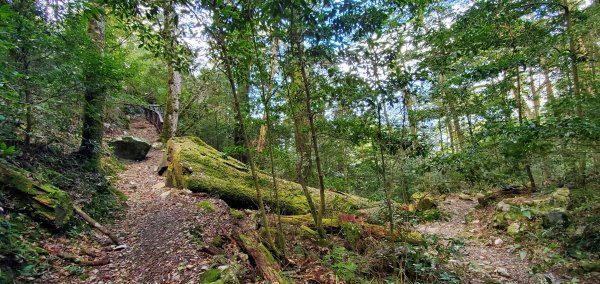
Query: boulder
[
  {"x": 423, "y": 201},
  {"x": 130, "y": 148},
  {"x": 195, "y": 165},
  {"x": 555, "y": 218}
]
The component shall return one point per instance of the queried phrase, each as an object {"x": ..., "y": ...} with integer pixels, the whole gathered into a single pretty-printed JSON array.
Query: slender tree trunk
[
  {"x": 408, "y": 102},
  {"x": 95, "y": 98},
  {"x": 266, "y": 99},
  {"x": 313, "y": 134},
  {"x": 520, "y": 117},
  {"x": 441, "y": 134},
  {"x": 534, "y": 94},
  {"x": 547, "y": 82},
  {"x": 386, "y": 184},
  {"x": 301, "y": 140},
  {"x": 247, "y": 146},
  {"x": 573, "y": 48},
  {"x": 450, "y": 133},
  {"x": 174, "y": 82},
  {"x": 573, "y": 57},
  {"x": 172, "y": 104}
]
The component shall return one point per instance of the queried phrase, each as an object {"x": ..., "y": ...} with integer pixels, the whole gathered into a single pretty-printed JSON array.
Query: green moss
[
  {"x": 46, "y": 201},
  {"x": 210, "y": 276},
  {"x": 199, "y": 167},
  {"x": 259, "y": 246},
  {"x": 205, "y": 205},
  {"x": 236, "y": 214},
  {"x": 217, "y": 241}
]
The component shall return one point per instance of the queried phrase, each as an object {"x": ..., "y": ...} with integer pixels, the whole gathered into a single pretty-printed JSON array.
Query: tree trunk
[
  {"x": 247, "y": 147},
  {"x": 573, "y": 58},
  {"x": 315, "y": 143},
  {"x": 408, "y": 103},
  {"x": 297, "y": 44},
  {"x": 535, "y": 96},
  {"x": 172, "y": 103},
  {"x": 450, "y": 133},
  {"x": 547, "y": 82},
  {"x": 384, "y": 178},
  {"x": 520, "y": 117},
  {"x": 95, "y": 97}
]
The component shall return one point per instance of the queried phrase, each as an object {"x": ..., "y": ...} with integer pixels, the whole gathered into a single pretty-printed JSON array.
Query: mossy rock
[
  {"x": 195, "y": 165},
  {"x": 47, "y": 202},
  {"x": 423, "y": 201}
]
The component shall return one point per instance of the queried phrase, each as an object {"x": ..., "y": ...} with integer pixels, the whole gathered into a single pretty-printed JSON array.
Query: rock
[
  {"x": 423, "y": 201},
  {"x": 130, "y": 148},
  {"x": 555, "y": 218},
  {"x": 540, "y": 278},
  {"x": 464, "y": 196},
  {"x": 157, "y": 145},
  {"x": 561, "y": 197},
  {"x": 158, "y": 185},
  {"x": 503, "y": 207},
  {"x": 164, "y": 195},
  {"x": 121, "y": 247},
  {"x": 513, "y": 229},
  {"x": 498, "y": 242},
  {"x": 502, "y": 272},
  {"x": 590, "y": 266}
]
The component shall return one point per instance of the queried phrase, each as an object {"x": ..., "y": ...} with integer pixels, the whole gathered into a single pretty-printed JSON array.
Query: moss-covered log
[
  {"x": 335, "y": 225},
  {"x": 46, "y": 201},
  {"x": 266, "y": 264},
  {"x": 195, "y": 165}
]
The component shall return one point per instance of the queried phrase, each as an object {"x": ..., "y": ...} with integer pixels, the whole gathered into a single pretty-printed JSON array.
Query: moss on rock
[{"x": 195, "y": 165}]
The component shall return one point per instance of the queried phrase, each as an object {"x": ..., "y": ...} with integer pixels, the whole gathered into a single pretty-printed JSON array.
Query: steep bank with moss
[{"x": 195, "y": 165}]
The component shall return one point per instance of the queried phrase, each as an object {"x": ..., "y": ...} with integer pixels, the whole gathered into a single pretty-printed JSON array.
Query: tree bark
[
  {"x": 247, "y": 147},
  {"x": 547, "y": 82},
  {"x": 297, "y": 43},
  {"x": 573, "y": 57},
  {"x": 535, "y": 96},
  {"x": 174, "y": 82},
  {"x": 520, "y": 117},
  {"x": 95, "y": 98}
]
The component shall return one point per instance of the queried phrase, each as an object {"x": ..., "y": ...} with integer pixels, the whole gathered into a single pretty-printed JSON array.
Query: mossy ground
[{"x": 62, "y": 178}]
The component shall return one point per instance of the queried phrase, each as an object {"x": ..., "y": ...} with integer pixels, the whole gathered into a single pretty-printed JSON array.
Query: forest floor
[
  {"x": 164, "y": 229},
  {"x": 486, "y": 257},
  {"x": 166, "y": 232}
]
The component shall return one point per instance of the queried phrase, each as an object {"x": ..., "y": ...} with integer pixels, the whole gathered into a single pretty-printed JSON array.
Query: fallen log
[
  {"x": 194, "y": 165},
  {"x": 335, "y": 225},
  {"x": 47, "y": 202},
  {"x": 507, "y": 191},
  {"x": 265, "y": 263},
  {"x": 98, "y": 226}
]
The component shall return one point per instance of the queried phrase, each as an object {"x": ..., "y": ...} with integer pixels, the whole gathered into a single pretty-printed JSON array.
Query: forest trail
[
  {"x": 159, "y": 225},
  {"x": 483, "y": 257}
]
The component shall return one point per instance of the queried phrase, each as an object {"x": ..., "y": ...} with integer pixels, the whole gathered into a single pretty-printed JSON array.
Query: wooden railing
[{"x": 153, "y": 115}]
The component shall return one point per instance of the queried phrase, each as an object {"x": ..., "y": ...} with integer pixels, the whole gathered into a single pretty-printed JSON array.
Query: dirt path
[
  {"x": 485, "y": 256},
  {"x": 159, "y": 226}
]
